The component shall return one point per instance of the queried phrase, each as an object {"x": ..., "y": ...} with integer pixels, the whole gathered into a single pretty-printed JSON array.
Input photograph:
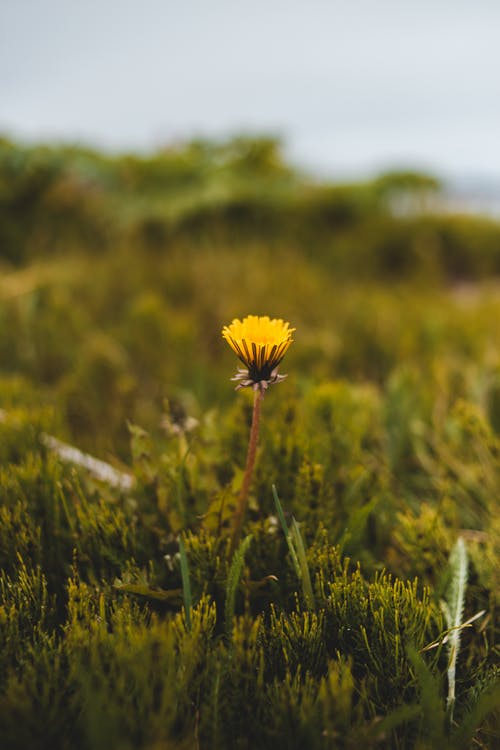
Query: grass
[{"x": 125, "y": 621}]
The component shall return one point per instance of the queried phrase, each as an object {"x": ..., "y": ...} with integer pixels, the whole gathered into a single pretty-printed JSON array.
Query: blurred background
[
  {"x": 169, "y": 166},
  {"x": 351, "y": 88}
]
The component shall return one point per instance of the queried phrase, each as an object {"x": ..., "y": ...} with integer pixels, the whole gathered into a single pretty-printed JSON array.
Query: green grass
[{"x": 124, "y": 622}]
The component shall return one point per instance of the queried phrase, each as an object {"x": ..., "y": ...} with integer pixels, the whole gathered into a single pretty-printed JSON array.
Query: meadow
[{"x": 359, "y": 609}]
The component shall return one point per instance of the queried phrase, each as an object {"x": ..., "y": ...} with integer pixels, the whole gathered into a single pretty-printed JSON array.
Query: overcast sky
[{"x": 352, "y": 86}]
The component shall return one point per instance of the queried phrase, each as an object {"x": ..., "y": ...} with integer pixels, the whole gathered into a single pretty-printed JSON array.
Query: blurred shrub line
[{"x": 60, "y": 199}]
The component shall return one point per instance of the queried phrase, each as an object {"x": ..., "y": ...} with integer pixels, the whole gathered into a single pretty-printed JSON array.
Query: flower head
[{"x": 260, "y": 343}]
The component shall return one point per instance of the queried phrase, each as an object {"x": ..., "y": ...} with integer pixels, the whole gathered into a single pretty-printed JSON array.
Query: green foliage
[
  {"x": 123, "y": 620},
  {"x": 233, "y": 580},
  {"x": 186, "y": 583},
  {"x": 297, "y": 552}
]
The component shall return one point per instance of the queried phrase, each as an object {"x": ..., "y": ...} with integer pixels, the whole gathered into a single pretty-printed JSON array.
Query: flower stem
[{"x": 241, "y": 507}]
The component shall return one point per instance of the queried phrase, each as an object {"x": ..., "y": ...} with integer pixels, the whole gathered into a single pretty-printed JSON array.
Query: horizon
[{"x": 352, "y": 91}]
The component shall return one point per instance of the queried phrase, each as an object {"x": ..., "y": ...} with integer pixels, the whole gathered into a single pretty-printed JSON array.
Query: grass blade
[
  {"x": 233, "y": 580},
  {"x": 186, "y": 584},
  {"x": 304, "y": 567},
  {"x": 432, "y": 711},
  {"x": 297, "y": 551},
  {"x": 286, "y": 531}
]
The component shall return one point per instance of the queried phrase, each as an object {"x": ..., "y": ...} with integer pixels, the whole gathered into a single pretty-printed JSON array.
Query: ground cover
[{"x": 125, "y": 621}]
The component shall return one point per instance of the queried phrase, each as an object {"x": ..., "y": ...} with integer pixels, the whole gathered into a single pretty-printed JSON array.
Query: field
[{"x": 358, "y": 608}]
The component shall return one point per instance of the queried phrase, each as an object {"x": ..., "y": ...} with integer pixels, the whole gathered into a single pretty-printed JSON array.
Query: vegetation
[{"x": 341, "y": 621}]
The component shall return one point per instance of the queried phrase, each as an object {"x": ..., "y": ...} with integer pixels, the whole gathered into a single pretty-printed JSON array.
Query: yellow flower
[{"x": 261, "y": 344}]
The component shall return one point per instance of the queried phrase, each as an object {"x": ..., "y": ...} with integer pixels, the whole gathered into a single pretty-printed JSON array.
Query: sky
[{"x": 352, "y": 87}]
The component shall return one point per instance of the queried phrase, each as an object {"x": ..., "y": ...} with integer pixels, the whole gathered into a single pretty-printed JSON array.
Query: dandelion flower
[{"x": 260, "y": 343}]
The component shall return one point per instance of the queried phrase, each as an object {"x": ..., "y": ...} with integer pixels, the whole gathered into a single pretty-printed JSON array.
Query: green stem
[{"x": 241, "y": 507}]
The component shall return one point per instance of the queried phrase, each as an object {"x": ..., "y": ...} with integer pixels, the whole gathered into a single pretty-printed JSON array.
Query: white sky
[{"x": 352, "y": 86}]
